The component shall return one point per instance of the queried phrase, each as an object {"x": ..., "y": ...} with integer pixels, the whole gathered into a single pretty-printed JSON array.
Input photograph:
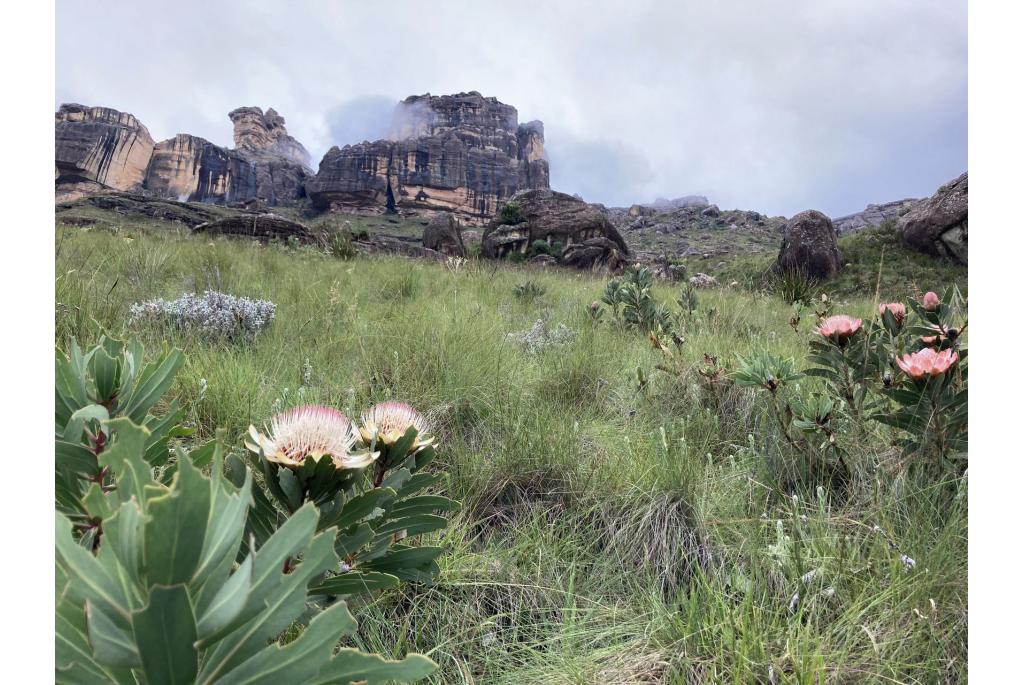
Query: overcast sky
[{"x": 773, "y": 105}]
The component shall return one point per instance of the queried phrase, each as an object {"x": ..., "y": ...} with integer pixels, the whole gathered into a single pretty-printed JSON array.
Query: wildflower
[
  {"x": 930, "y": 301},
  {"x": 387, "y": 422},
  {"x": 595, "y": 305},
  {"x": 908, "y": 563},
  {"x": 839, "y": 327},
  {"x": 202, "y": 389},
  {"x": 927, "y": 362},
  {"x": 897, "y": 309},
  {"x": 309, "y": 431}
]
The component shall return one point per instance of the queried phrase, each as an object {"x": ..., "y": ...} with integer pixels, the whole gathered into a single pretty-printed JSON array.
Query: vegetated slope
[{"x": 617, "y": 527}]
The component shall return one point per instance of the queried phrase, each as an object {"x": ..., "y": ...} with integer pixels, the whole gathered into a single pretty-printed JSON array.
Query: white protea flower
[
  {"x": 388, "y": 422},
  {"x": 309, "y": 431}
]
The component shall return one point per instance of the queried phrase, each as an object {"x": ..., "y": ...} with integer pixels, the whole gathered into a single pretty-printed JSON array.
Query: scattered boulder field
[{"x": 448, "y": 163}]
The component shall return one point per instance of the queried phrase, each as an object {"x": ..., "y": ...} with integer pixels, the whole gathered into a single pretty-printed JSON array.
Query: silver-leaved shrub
[{"x": 212, "y": 314}]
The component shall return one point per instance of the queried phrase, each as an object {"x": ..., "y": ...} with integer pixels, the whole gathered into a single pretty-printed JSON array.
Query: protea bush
[
  {"x": 368, "y": 481},
  {"x": 111, "y": 380},
  {"x": 175, "y": 593}
]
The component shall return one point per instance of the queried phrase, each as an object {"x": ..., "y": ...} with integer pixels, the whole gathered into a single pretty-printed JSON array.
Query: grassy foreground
[{"x": 610, "y": 533}]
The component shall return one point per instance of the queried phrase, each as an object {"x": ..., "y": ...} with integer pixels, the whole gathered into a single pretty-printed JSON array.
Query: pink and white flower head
[
  {"x": 930, "y": 301},
  {"x": 897, "y": 309},
  {"x": 388, "y": 422},
  {"x": 927, "y": 363},
  {"x": 839, "y": 327},
  {"x": 309, "y": 431}
]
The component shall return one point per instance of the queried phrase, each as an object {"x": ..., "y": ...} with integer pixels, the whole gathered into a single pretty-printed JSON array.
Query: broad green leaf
[
  {"x": 353, "y": 582},
  {"x": 104, "y": 371},
  {"x": 90, "y": 580},
  {"x": 122, "y": 533},
  {"x": 165, "y": 632},
  {"x": 124, "y": 457},
  {"x": 177, "y": 528},
  {"x": 227, "y": 604},
  {"x": 153, "y": 382},
  {"x": 79, "y": 458},
  {"x": 112, "y": 645}
]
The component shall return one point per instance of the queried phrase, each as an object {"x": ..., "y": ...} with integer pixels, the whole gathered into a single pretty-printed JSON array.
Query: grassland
[{"x": 612, "y": 531}]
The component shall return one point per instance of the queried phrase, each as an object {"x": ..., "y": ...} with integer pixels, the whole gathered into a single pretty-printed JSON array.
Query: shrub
[
  {"x": 213, "y": 314},
  {"x": 794, "y": 285},
  {"x": 164, "y": 600},
  {"x": 109, "y": 381},
  {"x": 528, "y": 291},
  {"x": 634, "y": 305},
  {"x": 540, "y": 337},
  {"x": 511, "y": 213}
]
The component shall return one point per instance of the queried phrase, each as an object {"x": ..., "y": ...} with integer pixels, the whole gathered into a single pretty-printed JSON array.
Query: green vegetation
[
  {"x": 511, "y": 213},
  {"x": 630, "y": 513}
]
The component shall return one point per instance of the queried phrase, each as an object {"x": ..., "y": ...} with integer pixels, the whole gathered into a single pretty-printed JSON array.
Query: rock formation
[
  {"x": 938, "y": 225},
  {"x": 444, "y": 235},
  {"x": 97, "y": 148},
  {"x": 256, "y": 132},
  {"x": 809, "y": 246},
  {"x": 100, "y": 149},
  {"x": 462, "y": 153},
  {"x": 262, "y": 227},
  {"x": 872, "y": 215},
  {"x": 587, "y": 236}
]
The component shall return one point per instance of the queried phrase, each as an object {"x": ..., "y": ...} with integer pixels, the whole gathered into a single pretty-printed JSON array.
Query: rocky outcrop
[
  {"x": 97, "y": 148},
  {"x": 587, "y": 236},
  {"x": 258, "y": 133},
  {"x": 100, "y": 149},
  {"x": 140, "y": 206},
  {"x": 809, "y": 246},
  {"x": 262, "y": 227},
  {"x": 938, "y": 225},
  {"x": 444, "y": 235},
  {"x": 192, "y": 169},
  {"x": 872, "y": 215},
  {"x": 462, "y": 153}
]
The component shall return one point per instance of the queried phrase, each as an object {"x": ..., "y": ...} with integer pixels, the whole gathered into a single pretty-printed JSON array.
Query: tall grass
[{"x": 610, "y": 533}]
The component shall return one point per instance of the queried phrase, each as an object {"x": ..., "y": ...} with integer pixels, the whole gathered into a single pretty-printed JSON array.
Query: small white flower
[{"x": 908, "y": 563}]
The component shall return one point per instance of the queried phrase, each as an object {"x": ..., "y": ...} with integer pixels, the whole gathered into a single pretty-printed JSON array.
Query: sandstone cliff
[
  {"x": 462, "y": 153},
  {"x": 98, "y": 148}
]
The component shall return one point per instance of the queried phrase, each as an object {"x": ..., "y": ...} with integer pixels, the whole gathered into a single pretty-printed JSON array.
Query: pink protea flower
[
  {"x": 309, "y": 431},
  {"x": 897, "y": 309},
  {"x": 927, "y": 363},
  {"x": 388, "y": 422},
  {"x": 930, "y": 301},
  {"x": 839, "y": 327}
]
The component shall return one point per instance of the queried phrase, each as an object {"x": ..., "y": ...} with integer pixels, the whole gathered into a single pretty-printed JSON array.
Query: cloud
[{"x": 763, "y": 104}]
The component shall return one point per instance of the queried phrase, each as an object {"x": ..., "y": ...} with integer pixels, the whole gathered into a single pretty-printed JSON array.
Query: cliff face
[
  {"x": 463, "y": 153},
  {"x": 98, "y": 148},
  {"x": 873, "y": 215}
]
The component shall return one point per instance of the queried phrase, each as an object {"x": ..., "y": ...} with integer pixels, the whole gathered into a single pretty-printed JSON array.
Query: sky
[{"x": 772, "y": 105}]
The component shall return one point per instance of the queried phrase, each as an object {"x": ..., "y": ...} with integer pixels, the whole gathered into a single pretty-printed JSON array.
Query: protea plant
[
  {"x": 175, "y": 595},
  {"x": 367, "y": 482}
]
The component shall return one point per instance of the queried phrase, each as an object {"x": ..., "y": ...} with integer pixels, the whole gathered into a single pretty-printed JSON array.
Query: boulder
[
  {"x": 703, "y": 281},
  {"x": 263, "y": 227},
  {"x": 555, "y": 217},
  {"x": 641, "y": 210},
  {"x": 464, "y": 153},
  {"x": 444, "y": 235},
  {"x": 938, "y": 225},
  {"x": 543, "y": 260},
  {"x": 809, "y": 246},
  {"x": 711, "y": 211},
  {"x": 380, "y": 244},
  {"x": 98, "y": 148},
  {"x": 594, "y": 253}
]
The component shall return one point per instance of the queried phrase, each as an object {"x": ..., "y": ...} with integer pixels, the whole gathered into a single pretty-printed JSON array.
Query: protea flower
[
  {"x": 897, "y": 309},
  {"x": 839, "y": 327},
  {"x": 927, "y": 363},
  {"x": 309, "y": 431},
  {"x": 388, "y": 422},
  {"x": 930, "y": 301}
]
